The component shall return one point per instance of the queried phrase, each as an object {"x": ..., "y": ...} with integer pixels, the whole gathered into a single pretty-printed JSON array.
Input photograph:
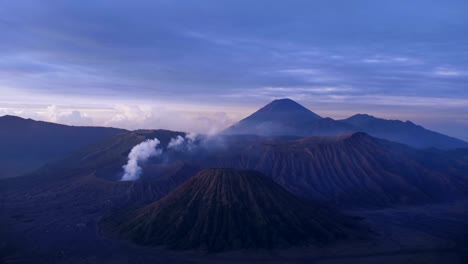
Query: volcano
[
  {"x": 285, "y": 117},
  {"x": 225, "y": 209},
  {"x": 283, "y": 109}
]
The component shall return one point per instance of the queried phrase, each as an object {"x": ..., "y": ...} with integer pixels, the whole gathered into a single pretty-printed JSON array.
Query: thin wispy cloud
[
  {"x": 237, "y": 54},
  {"x": 450, "y": 72},
  {"x": 392, "y": 59}
]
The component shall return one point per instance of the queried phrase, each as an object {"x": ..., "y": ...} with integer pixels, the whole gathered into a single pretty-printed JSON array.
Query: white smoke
[
  {"x": 176, "y": 142},
  {"x": 140, "y": 153},
  {"x": 183, "y": 143},
  {"x": 191, "y": 137}
]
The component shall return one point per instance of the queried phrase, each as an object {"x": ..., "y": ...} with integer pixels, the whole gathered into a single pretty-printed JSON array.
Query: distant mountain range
[
  {"x": 28, "y": 144},
  {"x": 350, "y": 170},
  {"x": 342, "y": 169},
  {"x": 227, "y": 192},
  {"x": 285, "y": 117},
  {"x": 403, "y": 132},
  {"x": 31, "y": 144},
  {"x": 226, "y": 209}
]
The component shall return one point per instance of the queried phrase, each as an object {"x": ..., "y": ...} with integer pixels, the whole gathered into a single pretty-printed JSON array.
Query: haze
[{"x": 201, "y": 66}]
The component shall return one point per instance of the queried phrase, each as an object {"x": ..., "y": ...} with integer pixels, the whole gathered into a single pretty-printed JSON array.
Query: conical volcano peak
[
  {"x": 226, "y": 209},
  {"x": 284, "y": 102},
  {"x": 286, "y": 108},
  {"x": 285, "y": 117}
]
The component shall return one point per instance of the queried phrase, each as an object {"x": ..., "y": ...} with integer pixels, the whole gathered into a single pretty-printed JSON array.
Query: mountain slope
[
  {"x": 403, "y": 132},
  {"x": 352, "y": 170},
  {"x": 285, "y": 117},
  {"x": 223, "y": 209},
  {"x": 348, "y": 170},
  {"x": 104, "y": 158},
  {"x": 281, "y": 110},
  {"x": 30, "y": 144}
]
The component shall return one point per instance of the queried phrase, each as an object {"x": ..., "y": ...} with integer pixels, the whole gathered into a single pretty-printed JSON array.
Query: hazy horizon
[{"x": 201, "y": 66}]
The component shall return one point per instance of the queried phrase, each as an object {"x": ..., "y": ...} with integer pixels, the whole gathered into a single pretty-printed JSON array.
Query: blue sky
[{"x": 202, "y": 65}]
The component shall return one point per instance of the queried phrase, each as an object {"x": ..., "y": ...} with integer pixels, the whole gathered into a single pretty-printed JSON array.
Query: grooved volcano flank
[
  {"x": 351, "y": 170},
  {"x": 222, "y": 209}
]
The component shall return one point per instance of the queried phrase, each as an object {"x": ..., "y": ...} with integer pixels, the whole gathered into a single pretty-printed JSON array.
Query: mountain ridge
[
  {"x": 353, "y": 170},
  {"x": 405, "y": 132},
  {"x": 296, "y": 123},
  {"x": 31, "y": 144},
  {"x": 285, "y": 117}
]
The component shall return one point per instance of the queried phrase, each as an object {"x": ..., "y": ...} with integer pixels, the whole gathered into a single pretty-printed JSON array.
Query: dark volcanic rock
[
  {"x": 354, "y": 170},
  {"x": 223, "y": 209},
  {"x": 105, "y": 159},
  {"x": 403, "y": 132},
  {"x": 284, "y": 117},
  {"x": 283, "y": 110},
  {"x": 31, "y": 144}
]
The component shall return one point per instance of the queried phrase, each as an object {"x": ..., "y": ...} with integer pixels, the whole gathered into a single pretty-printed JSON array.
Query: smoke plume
[
  {"x": 183, "y": 143},
  {"x": 176, "y": 142},
  {"x": 140, "y": 153}
]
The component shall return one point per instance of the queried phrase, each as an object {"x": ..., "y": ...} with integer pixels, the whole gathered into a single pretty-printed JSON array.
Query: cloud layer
[{"x": 115, "y": 61}]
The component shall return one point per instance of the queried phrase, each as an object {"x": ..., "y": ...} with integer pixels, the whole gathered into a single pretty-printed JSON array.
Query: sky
[{"x": 201, "y": 65}]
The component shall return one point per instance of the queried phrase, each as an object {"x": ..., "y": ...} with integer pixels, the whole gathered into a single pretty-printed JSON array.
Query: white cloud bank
[{"x": 127, "y": 116}]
